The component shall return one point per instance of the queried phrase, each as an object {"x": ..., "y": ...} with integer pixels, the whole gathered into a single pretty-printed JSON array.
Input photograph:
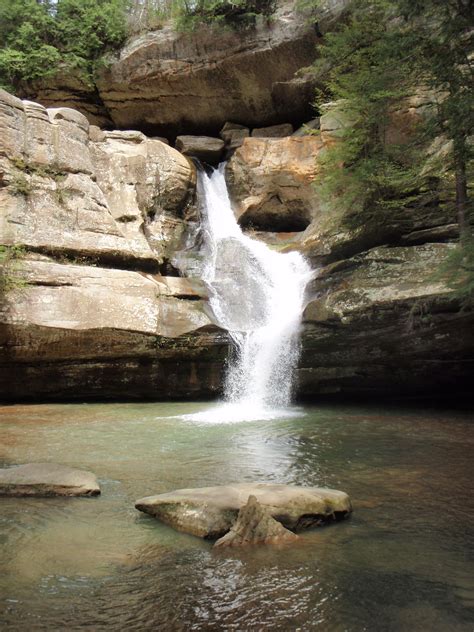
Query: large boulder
[
  {"x": 210, "y": 512},
  {"x": 270, "y": 183},
  {"x": 47, "y": 479},
  {"x": 273, "y": 131},
  {"x": 233, "y": 135},
  {"x": 204, "y": 148}
]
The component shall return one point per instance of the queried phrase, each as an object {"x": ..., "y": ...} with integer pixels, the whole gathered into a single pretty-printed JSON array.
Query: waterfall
[{"x": 257, "y": 294}]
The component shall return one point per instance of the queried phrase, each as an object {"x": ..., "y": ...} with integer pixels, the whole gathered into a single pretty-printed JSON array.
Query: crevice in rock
[
  {"x": 118, "y": 261},
  {"x": 276, "y": 217},
  {"x": 168, "y": 269}
]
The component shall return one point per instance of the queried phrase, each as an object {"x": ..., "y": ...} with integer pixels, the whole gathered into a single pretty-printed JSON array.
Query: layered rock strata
[
  {"x": 167, "y": 82},
  {"x": 94, "y": 224},
  {"x": 382, "y": 318},
  {"x": 90, "y": 221}
]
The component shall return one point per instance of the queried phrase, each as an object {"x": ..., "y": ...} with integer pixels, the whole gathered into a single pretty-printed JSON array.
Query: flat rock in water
[
  {"x": 47, "y": 479},
  {"x": 255, "y": 525},
  {"x": 210, "y": 512}
]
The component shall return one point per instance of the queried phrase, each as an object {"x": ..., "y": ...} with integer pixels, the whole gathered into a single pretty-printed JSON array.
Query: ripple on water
[{"x": 401, "y": 563}]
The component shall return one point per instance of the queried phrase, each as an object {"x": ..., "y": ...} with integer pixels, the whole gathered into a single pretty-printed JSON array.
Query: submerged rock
[
  {"x": 210, "y": 512},
  {"x": 255, "y": 525},
  {"x": 47, "y": 479}
]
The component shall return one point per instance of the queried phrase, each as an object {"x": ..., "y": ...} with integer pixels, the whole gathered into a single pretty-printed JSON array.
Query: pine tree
[
  {"x": 444, "y": 57},
  {"x": 40, "y": 37}
]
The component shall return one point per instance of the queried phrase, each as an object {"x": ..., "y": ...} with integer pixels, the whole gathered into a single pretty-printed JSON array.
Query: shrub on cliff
[
  {"x": 383, "y": 54},
  {"x": 386, "y": 55},
  {"x": 233, "y": 13},
  {"x": 187, "y": 15},
  {"x": 38, "y": 38}
]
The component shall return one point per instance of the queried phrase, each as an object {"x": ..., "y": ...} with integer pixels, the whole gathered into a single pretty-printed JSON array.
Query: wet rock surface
[
  {"x": 47, "y": 479},
  {"x": 382, "y": 318},
  {"x": 210, "y": 512},
  {"x": 255, "y": 525}
]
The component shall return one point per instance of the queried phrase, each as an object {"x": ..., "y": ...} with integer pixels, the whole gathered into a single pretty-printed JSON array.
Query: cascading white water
[{"x": 257, "y": 294}]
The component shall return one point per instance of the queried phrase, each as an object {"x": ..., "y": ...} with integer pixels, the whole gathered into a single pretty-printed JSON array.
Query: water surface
[{"x": 404, "y": 561}]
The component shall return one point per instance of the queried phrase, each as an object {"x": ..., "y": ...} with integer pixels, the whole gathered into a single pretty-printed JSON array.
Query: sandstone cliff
[
  {"x": 381, "y": 319},
  {"x": 166, "y": 82},
  {"x": 95, "y": 224},
  {"x": 93, "y": 220}
]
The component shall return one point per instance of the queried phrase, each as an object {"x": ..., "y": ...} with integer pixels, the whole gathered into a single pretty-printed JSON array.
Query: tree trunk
[{"x": 461, "y": 188}]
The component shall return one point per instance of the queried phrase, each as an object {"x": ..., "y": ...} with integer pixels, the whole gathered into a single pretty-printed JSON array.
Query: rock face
[
  {"x": 168, "y": 83},
  {"x": 270, "y": 181},
  {"x": 210, "y": 512},
  {"x": 205, "y": 148},
  {"x": 382, "y": 324},
  {"x": 255, "y": 525},
  {"x": 95, "y": 219},
  {"x": 77, "y": 331},
  {"x": 47, "y": 479},
  {"x": 381, "y": 317},
  {"x": 98, "y": 223},
  {"x": 120, "y": 199}
]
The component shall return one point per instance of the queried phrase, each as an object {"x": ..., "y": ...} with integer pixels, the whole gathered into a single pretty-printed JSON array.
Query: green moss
[
  {"x": 20, "y": 185},
  {"x": 9, "y": 258}
]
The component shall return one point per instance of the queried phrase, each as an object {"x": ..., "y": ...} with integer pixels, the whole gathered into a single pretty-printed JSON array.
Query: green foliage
[
  {"x": 20, "y": 185},
  {"x": 458, "y": 272},
  {"x": 381, "y": 54},
  {"x": 366, "y": 68},
  {"x": 189, "y": 14},
  {"x": 9, "y": 257},
  {"x": 233, "y": 13},
  {"x": 40, "y": 38}
]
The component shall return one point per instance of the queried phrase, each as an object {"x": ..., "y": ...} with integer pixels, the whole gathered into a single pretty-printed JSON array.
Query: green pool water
[{"x": 404, "y": 561}]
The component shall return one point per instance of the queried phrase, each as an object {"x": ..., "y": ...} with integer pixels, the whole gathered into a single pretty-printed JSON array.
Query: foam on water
[
  {"x": 257, "y": 294},
  {"x": 229, "y": 413}
]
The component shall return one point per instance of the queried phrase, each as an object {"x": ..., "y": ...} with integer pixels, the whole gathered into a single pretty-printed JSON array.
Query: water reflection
[{"x": 403, "y": 562}]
